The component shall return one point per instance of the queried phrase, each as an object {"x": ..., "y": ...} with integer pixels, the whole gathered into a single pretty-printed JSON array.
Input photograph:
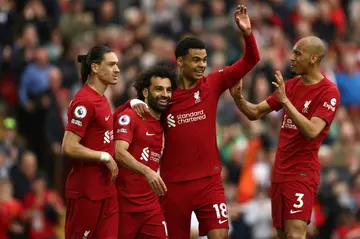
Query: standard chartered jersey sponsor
[
  {"x": 185, "y": 118},
  {"x": 190, "y": 117}
]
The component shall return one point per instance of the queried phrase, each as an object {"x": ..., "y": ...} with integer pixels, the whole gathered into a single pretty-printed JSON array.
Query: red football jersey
[
  {"x": 89, "y": 116},
  {"x": 191, "y": 150},
  {"x": 40, "y": 226},
  {"x": 9, "y": 212},
  {"x": 296, "y": 157},
  {"x": 145, "y": 138}
]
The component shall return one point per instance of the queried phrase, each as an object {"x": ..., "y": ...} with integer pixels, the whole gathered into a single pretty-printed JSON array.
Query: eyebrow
[{"x": 198, "y": 57}]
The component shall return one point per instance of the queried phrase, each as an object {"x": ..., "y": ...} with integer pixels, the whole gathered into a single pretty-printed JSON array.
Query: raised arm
[
  {"x": 323, "y": 115},
  {"x": 251, "y": 111},
  {"x": 228, "y": 76}
]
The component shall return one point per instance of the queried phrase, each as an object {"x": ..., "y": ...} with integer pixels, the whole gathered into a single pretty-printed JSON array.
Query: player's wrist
[
  {"x": 105, "y": 157},
  {"x": 285, "y": 101},
  {"x": 146, "y": 171},
  {"x": 136, "y": 101},
  {"x": 247, "y": 32}
]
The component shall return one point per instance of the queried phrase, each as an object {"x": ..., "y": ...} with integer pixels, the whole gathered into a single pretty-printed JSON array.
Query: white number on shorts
[
  {"x": 166, "y": 232},
  {"x": 220, "y": 209},
  {"x": 299, "y": 199}
]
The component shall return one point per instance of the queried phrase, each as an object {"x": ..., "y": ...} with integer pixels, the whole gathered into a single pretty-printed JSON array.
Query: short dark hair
[
  {"x": 95, "y": 55},
  {"x": 143, "y": 80},
  {"x": 183, "y": 46}
]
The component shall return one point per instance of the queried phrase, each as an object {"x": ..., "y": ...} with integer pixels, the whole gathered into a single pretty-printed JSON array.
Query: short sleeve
[
  {"x": 80, "y": 113},
  {"x": 329, "y": 103},
  {"x": 124, "y": 126},
  {"x": 273, "y": 102}
]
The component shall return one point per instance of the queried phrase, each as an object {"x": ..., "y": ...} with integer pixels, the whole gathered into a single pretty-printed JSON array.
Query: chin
[
  {"x": 160, "y": 108},
  {"x": 196, "y": 78},
  {"x": 113, "y": 82},
  {"x": 294, "y": 73}
]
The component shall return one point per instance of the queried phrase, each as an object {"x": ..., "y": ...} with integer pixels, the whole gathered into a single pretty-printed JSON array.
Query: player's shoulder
[
  {"x": 128, "y": 111},
  {"x": 331, "y": 86},
  {"x": 126, "y": 116},
  {"x": 293, "y": 81},
  {"x": 82, "y": 96}
]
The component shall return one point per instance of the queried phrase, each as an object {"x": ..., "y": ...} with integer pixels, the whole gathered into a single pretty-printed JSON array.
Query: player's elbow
[
  {"x": 254, "y": 116},
  {"x": 120, "y": 154},
  {"x": 311, "y": 135},
  {"x": 66, "y": 148}
]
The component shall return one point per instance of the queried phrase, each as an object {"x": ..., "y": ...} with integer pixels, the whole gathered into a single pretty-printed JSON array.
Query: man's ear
[
  {"x": 145, "y": 92},
  {"x": 94, "y": 68},
  {"x": 314, "y": 58},
  {"x": 180, "y": 61}
]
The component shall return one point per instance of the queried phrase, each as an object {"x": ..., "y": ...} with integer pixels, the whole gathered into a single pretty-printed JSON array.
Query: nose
[
  {"x": 165, "y": 93},
  {"x": 292, "y": 57},
  {"x": 202, "y": 64},
  {"x": 116, "y": 69}
]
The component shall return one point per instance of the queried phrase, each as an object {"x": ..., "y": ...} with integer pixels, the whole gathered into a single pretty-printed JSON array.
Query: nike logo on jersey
[
  {"x": 293, "y": 212},
  {"x": 106, "y": 118},
  {"x": 149, "y": 134},
  {"x": 222, "y": 221}
]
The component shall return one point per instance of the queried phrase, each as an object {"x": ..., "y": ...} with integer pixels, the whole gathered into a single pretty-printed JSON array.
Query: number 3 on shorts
[
  {"x": 220, "y": 208},
  {"x": 299, "y": 199}
]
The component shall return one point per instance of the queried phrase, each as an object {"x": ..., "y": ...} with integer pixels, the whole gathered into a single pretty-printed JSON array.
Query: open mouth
[
  {"x": 199, "y": 73},
  {"x": 163, "y": 102}
]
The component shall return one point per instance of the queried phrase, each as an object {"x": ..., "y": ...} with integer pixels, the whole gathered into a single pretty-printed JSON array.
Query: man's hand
[
  {"x": 113, "y": 168},
  {"x": 156, "y": 183},
  {"x": 280, "y": 88},
  {"x": 140, "y": 108},
  {"x": 242, "y": 20},
  {"x": 236, "y": 91}
]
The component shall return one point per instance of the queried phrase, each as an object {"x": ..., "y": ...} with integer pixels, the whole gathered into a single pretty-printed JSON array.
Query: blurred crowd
[{"x": 39, "y": 41}]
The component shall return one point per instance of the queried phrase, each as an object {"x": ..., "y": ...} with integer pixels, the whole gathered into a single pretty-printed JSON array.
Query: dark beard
[{"x": 154, "y": 105}]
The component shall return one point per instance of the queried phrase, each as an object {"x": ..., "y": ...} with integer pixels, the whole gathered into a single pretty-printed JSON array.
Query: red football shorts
[
  {"x": 292, "y": 200},
  {"x": 142, "y": 225},
  {"x": 204, "y": 196},
  {"x": 88, "y": 219}
]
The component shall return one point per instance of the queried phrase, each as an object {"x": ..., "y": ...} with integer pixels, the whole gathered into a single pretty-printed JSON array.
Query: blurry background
[{"x": 39, "y": 41}]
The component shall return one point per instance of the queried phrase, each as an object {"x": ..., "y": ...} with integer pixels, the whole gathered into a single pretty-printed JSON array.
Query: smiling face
[
  {"x": 193, "y": 64},
  {"x": 158, "y": 95}
]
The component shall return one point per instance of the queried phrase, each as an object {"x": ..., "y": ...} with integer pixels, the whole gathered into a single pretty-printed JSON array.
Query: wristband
[
  {"x": 137, "y": 101},
  {"x": 104, "y": 157}
]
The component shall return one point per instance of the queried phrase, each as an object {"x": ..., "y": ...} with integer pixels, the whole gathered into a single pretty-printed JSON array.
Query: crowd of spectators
[{"x": 39, "y": 41}]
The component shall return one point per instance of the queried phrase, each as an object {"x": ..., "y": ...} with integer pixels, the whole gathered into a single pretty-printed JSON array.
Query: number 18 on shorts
[{"x": 221, "y": 212}]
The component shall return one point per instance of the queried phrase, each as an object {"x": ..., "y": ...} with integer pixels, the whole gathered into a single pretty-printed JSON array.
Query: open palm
[{"x": 242, "y": 19}]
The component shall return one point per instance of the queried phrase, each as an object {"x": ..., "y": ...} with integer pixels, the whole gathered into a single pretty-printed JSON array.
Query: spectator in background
[
  {"x": 11, "y": 212},
  {"x": 42, "y": 210},
  {"x": 348, "y": 80},
  {"x": 35, "y": 100},
  {"x": 24, "y": 174},
  {"x": 146, "y": 35},
  {"x": 10, "y": 143}
]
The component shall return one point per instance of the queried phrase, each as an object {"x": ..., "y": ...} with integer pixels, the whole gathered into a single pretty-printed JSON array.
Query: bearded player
[
  {"x": 138, "y": 149},
  {"x": 92, "y": 209},
  {"x": 191, "y": 164},
  {"x": 310, "y": 102}
]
